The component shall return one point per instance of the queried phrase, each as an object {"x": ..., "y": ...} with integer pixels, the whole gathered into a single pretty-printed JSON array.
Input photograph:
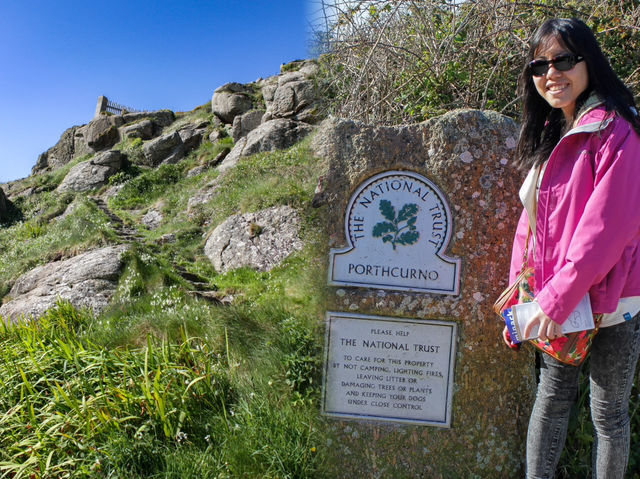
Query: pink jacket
[{"x": 588, "y": 221}]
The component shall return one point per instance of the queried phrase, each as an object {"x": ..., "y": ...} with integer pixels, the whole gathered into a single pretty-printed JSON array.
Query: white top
[{"x": 627, "y": 307}]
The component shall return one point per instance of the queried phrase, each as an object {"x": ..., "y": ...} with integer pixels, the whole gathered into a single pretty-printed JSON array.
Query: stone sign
[
  {"x": 389, "y": 369},
  {"x": 398, "y": 225},
  {"x": 438, "y": 197}
]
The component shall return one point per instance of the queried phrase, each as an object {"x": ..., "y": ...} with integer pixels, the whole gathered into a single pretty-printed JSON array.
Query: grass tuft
[{"x": 74, "y": 408}]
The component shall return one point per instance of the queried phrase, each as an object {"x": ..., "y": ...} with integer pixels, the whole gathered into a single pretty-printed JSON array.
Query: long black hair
[{"x": 542, "y": 125}]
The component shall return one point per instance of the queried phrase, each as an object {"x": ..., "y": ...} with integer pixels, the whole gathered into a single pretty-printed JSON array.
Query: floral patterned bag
[{"x": 572, "y": 348}]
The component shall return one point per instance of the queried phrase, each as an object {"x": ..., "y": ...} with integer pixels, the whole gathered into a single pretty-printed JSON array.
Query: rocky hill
[
  {"x": 91, "y": 174},
  {"x": 164, "y": 264}
]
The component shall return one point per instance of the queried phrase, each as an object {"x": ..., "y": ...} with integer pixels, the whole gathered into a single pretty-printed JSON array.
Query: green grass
[
  {"x": 74, "y": 409},
  {"x": 35, "y": 241},
  {"x": 132, "y": 147},
  {"x": 268, "y": 179},
  {"x": 239, "y": 401},
  {"x": 209, "y": 150},
  {"x": 263, "y": 180},
  {"x": 149, "y": 185}
]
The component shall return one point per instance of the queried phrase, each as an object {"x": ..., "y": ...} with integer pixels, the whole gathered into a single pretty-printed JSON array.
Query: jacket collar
[
  {"x": 593, "y": 102},
  {"x": 592, "y": 117},
  {"x": 591, "y": 127}
]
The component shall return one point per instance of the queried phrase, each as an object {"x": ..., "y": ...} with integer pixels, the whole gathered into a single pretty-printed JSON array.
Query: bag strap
[{"x": 525, "y": 256}]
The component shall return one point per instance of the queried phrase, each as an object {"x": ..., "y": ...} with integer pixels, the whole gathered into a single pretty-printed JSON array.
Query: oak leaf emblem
[{"x": 399, "y": 229}]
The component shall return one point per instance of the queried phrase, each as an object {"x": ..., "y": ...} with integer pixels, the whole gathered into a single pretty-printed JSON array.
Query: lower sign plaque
[{"x": 389, "y": 369}]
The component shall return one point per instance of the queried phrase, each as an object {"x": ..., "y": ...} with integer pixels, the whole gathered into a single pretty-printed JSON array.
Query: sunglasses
[{"x": 561, "y": 63}]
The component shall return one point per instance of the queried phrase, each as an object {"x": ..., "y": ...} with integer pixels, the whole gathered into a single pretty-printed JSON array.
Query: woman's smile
[{"x": 559, "y": 88}]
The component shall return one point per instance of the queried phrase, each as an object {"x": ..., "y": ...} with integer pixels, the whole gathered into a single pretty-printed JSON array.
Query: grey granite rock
[
  {"x": 231, "y": 100},
  {"x": 259, "y": 240},
  {"x": 165, "y": 149},
  {"x": 152, "y": 219},
  {"x": 102, "y": 132},
  {"x": 270, "y": 136},
  {"x": 87, "y": 280},
  {"x": 142, "y": 129},
  {"x": 93, "y": 173},
  {"x": 245, "y": 123}
]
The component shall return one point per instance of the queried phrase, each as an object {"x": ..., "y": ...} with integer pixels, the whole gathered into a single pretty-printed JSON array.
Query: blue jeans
[{"x": 613, "y": 358}]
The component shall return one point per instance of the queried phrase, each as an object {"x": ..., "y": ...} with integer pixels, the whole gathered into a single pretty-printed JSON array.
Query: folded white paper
[{"x": 580, "y": 318}]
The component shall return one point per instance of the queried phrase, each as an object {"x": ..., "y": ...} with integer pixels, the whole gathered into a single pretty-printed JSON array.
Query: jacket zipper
[{"x": 588, "y": 128}]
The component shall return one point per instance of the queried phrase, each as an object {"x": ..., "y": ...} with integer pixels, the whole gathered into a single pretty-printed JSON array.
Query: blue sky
[{"x": 58, "y": 57}]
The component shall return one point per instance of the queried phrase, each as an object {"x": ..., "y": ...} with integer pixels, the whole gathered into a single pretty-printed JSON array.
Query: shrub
[
  {"x": 405, "y": 61},
  {"x": 128, "y": 172},
  {"x": 132, "y": 148}
]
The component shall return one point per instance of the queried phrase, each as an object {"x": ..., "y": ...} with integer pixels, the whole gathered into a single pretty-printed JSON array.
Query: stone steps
[
  {"x": 198, "y": 286},
  {"x": 126, "y": 233}
]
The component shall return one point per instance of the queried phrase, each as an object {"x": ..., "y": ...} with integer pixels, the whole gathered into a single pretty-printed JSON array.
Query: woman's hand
[
  {"x": 548, "y": 328},
  {"x": 506, "y": 337}
]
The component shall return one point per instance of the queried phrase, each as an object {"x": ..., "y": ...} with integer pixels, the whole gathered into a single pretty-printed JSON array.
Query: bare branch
[{"x": 395, "y": 61}]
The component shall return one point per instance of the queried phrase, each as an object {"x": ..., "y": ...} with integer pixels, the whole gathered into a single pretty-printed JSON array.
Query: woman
[{"x": 580, "y": 140}]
